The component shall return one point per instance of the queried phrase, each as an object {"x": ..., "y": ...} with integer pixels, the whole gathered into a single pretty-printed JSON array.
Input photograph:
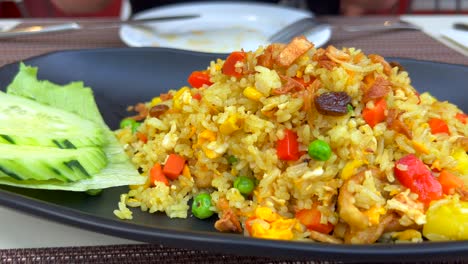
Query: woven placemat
[
  {"x": 405, "y": 44},
  {"x": 398, "y": 43}
]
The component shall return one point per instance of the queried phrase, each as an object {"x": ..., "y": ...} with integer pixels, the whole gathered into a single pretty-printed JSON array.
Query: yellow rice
[{"x": 194, "y": 129}]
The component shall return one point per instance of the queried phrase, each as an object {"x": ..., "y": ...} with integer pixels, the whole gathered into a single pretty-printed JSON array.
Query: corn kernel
[
  {"x": 186, "y": 172},
  {"x": 252, "y": 93},
  {"x": 206, "y": 135},
  {"x": 177, "y": 99},
  {"x": 462, "y": 160},
  {"x": 299, "y": 74},
  {"x": 229, "y": 126},
  {"x": 420, "y": 147},
  {"x": 349, "y": 168},
  {"x": 155, "y": 101}
]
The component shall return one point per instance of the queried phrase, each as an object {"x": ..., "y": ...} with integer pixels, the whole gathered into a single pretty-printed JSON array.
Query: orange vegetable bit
[
  {"x": 311, "y": 219},
  {"x": 156, "y": 174},
  {"x": 375, "y": 115},
  {"x": 197, "y": 79},
  {"x": 462, "y": 117},
  {"x": 248, "y": 224},
  {"x": 174, "y": 166},
  {"x": 197, "y": 96},
  {"x": 438, "y": 126},
  {"x": 229, "y": 67},
  {"x": 450, "y": 182},
  {"x": 288, "y": 147},
  {"x": 142, "y": 137}
]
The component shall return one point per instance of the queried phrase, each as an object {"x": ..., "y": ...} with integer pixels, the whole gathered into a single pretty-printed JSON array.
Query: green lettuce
[{"x": 76, "y": 98}]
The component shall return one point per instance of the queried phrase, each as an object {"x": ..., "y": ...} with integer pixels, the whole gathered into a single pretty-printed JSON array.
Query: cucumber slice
[
  {"x": 26, "y": 122},
  {"x": 45, "y": 163}
]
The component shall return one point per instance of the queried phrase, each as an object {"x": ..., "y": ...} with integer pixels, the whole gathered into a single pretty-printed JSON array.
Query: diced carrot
[
  {"x": 438, "y": 126},
  {"x": 462, "y": 117},
  {"x": 197, "y": 79},
  {"x": 375, "y": 115},
  {"x": 142, "y": 137},
  {"x": 311, "y": 219},
  {"x": 174, "y": 166},
  {"x": 197, "y": 96},
  {"x": 450, "y": 182},
  {"x": 156, "y": 174},
  {"x": 288, "y": 147},
  {"x": 248, "y": 224},
  {"x": 229, "y": 67}
]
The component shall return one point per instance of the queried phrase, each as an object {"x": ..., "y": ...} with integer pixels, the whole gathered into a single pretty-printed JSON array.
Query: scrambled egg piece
[
  {"x": 412, "y": 209},
  {"x": 271, "y": 225}
]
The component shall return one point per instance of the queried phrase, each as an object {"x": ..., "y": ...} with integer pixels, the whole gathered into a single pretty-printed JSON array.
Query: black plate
[{"x": 122, "y": 77}]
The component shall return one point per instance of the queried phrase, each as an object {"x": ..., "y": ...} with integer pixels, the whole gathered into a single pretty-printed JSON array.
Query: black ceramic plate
[{"x": 122, "y": 77}]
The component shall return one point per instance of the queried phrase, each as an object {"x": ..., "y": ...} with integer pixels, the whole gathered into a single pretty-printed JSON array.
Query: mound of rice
[{"x": 230, "y": 126}]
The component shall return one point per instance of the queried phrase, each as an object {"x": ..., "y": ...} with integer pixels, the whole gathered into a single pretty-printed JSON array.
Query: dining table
[{"x": 26, "y": 238}]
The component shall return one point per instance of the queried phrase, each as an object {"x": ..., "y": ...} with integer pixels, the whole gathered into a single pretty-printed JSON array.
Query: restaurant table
[{"x": 25, "y": 238}]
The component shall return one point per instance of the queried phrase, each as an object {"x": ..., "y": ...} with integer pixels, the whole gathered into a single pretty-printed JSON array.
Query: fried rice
[{"x": 362, "y": 107}]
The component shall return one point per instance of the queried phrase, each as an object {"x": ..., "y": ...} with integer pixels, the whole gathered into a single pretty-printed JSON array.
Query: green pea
[
  {"x": 232, "y": 159},
  {"x": 127, "y": 122},
  {"x": 245, "y": 185},
  {"x": 94, "y": 192},
  {"x": 350, "y": 107},
  {"x": 319, "y": 150},
  {"x": 135, "y": 126},
  {"x": 201, "y": 206}
]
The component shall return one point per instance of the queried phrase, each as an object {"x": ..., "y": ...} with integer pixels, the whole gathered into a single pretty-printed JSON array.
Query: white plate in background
[{"x": 221, "y": 28}]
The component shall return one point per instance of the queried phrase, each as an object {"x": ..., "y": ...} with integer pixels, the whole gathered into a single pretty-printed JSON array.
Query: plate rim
[
  {"x": 301, "y": 13},
  {"x": 227, "y": 244}
]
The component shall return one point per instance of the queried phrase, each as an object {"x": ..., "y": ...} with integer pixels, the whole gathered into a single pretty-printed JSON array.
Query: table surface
[{"x": 68, "y": 244}]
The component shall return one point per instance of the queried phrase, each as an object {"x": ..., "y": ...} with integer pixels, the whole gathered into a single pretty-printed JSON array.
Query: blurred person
[{"x": 324, "y": 7}]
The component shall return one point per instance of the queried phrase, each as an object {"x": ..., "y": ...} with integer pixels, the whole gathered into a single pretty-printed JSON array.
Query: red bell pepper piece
[
  {"x": 438, "y": 126},
  {"x": 311, "y": 219},
  {"x": 415, "y": 175},
  {"x": 288, "y": 147},
  {"x": 229, "y": 67},
  {"x": 462, "y": 117},
  {"x": 197, "y": 79}
]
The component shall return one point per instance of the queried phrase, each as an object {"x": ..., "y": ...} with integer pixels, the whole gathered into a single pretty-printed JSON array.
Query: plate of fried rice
[
  {"x": 299, "y": 151},
  {"x": 221, "y": 27}
]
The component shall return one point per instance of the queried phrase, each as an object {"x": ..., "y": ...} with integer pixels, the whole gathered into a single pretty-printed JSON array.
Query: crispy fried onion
[
  {"x": 379, "y": 88},
  {"x": 322, "y": 60},
  {"x": 336, "y": 55},
  {"x": 269, "y": 55},
  {"x": 293, "y": 50},
  {"x": 289, "y": 84},
  {"x": 387, "y": 68},
  {"x": 394, "y": 123},
  {"x": 141, "y": 110},
  {"x": 308, "y": 96}
]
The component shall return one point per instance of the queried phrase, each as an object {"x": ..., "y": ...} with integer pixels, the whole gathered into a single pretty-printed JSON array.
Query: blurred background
[{"x": 123, "y": 8}]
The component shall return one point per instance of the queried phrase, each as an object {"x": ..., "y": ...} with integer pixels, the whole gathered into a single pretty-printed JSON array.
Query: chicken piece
[
  {"x": 346, "y": 208},
  {"x": 368, "y": 235},
  {"x": 404, "y": 205},
  {"x": 229, "y": 222},
  {"x": 296, "y": 48},
  {"x": 321, "y": 237}
]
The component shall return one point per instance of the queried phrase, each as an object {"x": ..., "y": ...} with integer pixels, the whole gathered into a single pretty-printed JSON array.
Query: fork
[{"x": 299, "y": 27}]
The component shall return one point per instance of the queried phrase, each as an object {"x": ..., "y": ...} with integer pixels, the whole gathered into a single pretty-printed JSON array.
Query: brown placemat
[
  {"x": 398, "y": 43},
  {"x": 406, "y": 44},
  {"x": 144, "y": 253}
]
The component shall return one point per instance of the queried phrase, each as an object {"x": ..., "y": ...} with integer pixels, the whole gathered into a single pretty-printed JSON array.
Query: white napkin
[
  {"x": 459, "y": 37},
  {"x": 7, "y": 24}
]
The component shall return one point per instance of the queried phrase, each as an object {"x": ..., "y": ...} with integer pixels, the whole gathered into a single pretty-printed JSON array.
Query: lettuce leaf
[{"x": 76, "y": 98}]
